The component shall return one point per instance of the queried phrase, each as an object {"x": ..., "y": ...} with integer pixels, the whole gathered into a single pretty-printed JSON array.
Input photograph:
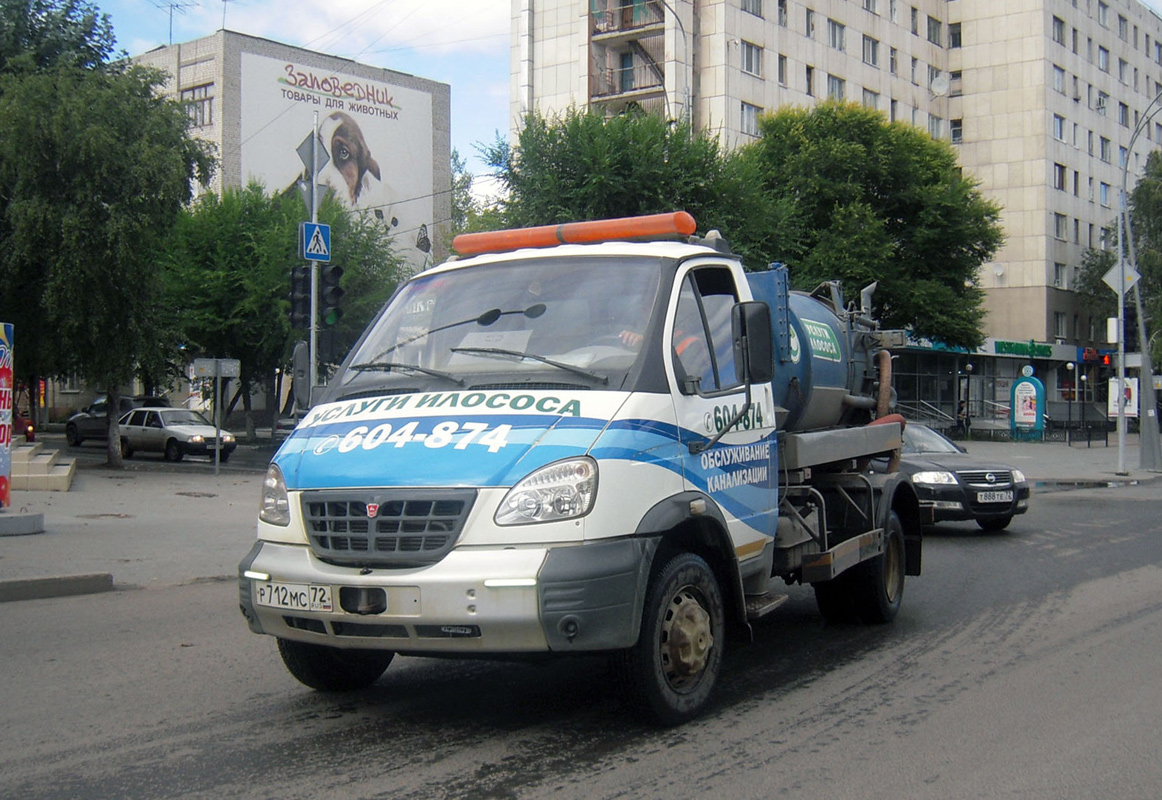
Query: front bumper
[
  {"x": 483, "y": 601},
  {"x": 955, "y": 503}
]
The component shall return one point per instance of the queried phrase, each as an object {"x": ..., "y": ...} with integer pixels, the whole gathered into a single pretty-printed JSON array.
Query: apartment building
[
  {"x": 386, "y": 135},
  {"x": 1040, "y": 97}
]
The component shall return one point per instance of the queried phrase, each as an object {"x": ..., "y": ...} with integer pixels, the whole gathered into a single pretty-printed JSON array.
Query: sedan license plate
[
  {"x": 994, "y": 497},
  {"x": 294, "y": 596}
]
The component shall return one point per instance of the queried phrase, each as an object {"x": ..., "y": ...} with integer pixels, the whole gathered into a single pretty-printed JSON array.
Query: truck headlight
[
  {"x": 935, "y": 478},
  {"x": 275, "y": 507},
  {"x": 562, "y": 490}
]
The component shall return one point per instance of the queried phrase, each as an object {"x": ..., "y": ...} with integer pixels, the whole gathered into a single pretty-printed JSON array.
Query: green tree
[
  {"x": 94, "y": 168},
  {"x": 37, "y": 34},
  {"x": 228, "y": 274},
  {"x": 586, "y": 166},
  {"x": 871, "y": 200}
]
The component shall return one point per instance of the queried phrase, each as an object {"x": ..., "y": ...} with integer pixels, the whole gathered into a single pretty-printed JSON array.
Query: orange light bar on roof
[{"x": 602, "y": 230}]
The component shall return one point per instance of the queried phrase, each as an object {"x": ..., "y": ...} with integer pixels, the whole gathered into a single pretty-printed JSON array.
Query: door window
[{"x": 703, "y": 349}]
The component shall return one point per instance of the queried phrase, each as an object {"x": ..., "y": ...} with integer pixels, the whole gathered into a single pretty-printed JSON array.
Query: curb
[{"x": 60, "y": 586}]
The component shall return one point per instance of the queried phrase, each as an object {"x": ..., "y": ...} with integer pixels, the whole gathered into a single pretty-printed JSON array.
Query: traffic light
[
  {"x": 329, "y": 294},
  {"x": 300, "y": 297}
]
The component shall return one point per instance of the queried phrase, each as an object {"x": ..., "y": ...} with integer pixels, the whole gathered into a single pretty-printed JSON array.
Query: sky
[{"x": 463, "y": 43}]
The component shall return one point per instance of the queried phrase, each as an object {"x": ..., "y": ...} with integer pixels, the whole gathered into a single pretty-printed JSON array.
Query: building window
[
  {"x": 1059, "y": 31},
  {"x": 893, "y": 61},
  {"x": 1103, "y": 59},
  {"x": 1122, "y": 156},
  {"x": 915, "y": 21},
  {"x": 871, "y": 51},
  {"x": 915, "y": 71},
  {"x": 956, "y": 130},
  {"x": 753, "y": 6},
  {"x": 935, "y": 126},
  {"x": 1059, "y": 177},
  {"x": 836, "y": 87},
  {"x": 1060, "y": 226},
  {"x": 1103, "y": 100},
  {"x": 1059, "y": 329},
  {"x": 199, "y": 104},
  {"x": 782, "y": 70},
  {"x": 870, "y": 5},
  {"x": 1104, "y": 194},
  {"x": 871, "y": 99},
  {"x": 783, "y": 13},
  {"x": 752, "y": 59},
  {"x": 1059, "y": 127},
  {"x": 893, "y": 10},
  {"x": 956, "y": 83},
  {"x": 809, "y": 23},
  {"x": 1104, "y": 149},
  {"x": 749, "y": 123},
  {"x": 1123, "y": 28},
  {"x": 1123, "y": 71},
  {"x": 1103, "y": 14},
  {"x": 1059, "y": 79},
  {"x": 935, "y": 29},
  {"x": 1059, "y": 271},
  {"x": 954, "y": 35},
  {"x": 810, "y": 74},
  {"x": 1123, "y": 115},
  {"x": 1076, "y": 183},
  {"x": 836, "y": 34}
]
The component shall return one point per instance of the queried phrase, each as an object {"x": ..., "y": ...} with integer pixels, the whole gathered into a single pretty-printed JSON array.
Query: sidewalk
[
  {"x": 167, "y": 528},
  {"x": 1057, "y": 462},
  {"x": 145, "y": 529}
]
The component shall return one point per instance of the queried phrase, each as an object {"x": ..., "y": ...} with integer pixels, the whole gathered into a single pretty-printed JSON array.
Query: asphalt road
[{"x": 1023, "y": 664}]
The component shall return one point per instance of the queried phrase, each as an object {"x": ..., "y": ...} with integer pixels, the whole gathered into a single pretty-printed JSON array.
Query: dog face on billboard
[{"x": 350, "y": 155}]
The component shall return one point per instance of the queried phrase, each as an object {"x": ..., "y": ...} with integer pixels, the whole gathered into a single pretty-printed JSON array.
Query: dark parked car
[
  {"x": 952, "y": 485},
  {"x": 175, "y": 432},
  {"x": 90, "y": 423}
]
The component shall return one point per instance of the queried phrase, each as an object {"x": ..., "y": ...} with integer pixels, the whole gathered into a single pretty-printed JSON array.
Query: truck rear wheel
[
  {"x": 330, "y": 669},
  {"x": 869, "y": 592},
  {"x": 878, "y": 583},
  {"x": 671, "y": 671}
]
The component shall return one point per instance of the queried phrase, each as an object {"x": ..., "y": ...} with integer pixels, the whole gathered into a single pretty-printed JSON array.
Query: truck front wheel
[
  {"x": 671, "y": 671},
  {"x": 330, "y": 669}
]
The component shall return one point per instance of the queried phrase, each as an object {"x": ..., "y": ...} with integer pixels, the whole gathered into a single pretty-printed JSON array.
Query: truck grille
[{"x": 385, "y": 528}]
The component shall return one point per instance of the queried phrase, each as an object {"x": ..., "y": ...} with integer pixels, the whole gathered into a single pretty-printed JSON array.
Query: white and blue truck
[{"x": 593, "y": 437}]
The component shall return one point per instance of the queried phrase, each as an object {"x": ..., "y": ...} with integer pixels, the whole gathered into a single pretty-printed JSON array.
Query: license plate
[
  {"x": 994, "y": 497},
  {"x": 294, "y": 596}
]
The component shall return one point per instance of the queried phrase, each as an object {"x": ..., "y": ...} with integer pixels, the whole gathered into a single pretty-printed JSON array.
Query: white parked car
[{"x": 175, "y": 432}]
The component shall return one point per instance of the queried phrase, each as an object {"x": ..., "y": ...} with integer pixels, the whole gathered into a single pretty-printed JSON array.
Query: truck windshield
[{"x": 546, "y": 320}]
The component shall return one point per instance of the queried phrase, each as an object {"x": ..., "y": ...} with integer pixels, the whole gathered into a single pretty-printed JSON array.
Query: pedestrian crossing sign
[{"x": 316, "y": 241}]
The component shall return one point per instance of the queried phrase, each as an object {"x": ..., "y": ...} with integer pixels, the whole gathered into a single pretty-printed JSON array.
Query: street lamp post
[
  {"x": 1081, "y": 379},
  {"x": 1150, "y": 451},
  {"x": 1069, "y": 399},
  {"x": 968, "y": 399}
]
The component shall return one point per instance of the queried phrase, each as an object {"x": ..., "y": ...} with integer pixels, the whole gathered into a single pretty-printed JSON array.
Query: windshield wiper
[
  {"x": 500, "y": 351},
  {"x": 484, "y": 320},
  {"x": 388, "y": 366}
]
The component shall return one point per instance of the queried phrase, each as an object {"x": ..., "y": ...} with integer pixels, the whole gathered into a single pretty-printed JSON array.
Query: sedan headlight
[
  {"x": 563, "y": 490},
  {"x": 1018, "y": 476},
  {"x": 227, "y": 437},
  {"x": 275, "y": 507},
  {"x": 197, "y": 438},
  {"x": 935, "y": 478}
]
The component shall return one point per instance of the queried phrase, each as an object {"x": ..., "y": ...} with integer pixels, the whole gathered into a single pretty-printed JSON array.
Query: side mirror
[
  {"x": 750, "y": 324},
  {"x": 301, "y": 375}
]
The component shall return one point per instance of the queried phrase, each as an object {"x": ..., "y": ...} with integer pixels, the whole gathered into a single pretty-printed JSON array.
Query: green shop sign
[{"x": 1029, "y": 348}]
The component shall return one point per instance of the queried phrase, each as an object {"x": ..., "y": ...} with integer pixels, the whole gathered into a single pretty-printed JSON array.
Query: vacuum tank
[{"x": 825, "y": 372}]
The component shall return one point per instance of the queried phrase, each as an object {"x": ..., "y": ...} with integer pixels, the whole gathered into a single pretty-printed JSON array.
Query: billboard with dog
[{"x": 378, "y": 137}]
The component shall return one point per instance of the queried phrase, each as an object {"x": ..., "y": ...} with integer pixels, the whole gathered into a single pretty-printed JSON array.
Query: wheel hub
[{"x": 686, "y": 639}]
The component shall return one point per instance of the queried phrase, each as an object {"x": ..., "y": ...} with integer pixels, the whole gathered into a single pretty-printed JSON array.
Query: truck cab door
[{"x": 736, "y": 472}]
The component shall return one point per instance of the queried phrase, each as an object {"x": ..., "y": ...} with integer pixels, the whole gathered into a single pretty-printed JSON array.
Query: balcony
[{"x": 627, "y": 20}]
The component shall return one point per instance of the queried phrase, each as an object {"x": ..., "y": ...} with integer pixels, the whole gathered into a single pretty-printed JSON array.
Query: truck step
[{"x": 763, "y": 604}]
